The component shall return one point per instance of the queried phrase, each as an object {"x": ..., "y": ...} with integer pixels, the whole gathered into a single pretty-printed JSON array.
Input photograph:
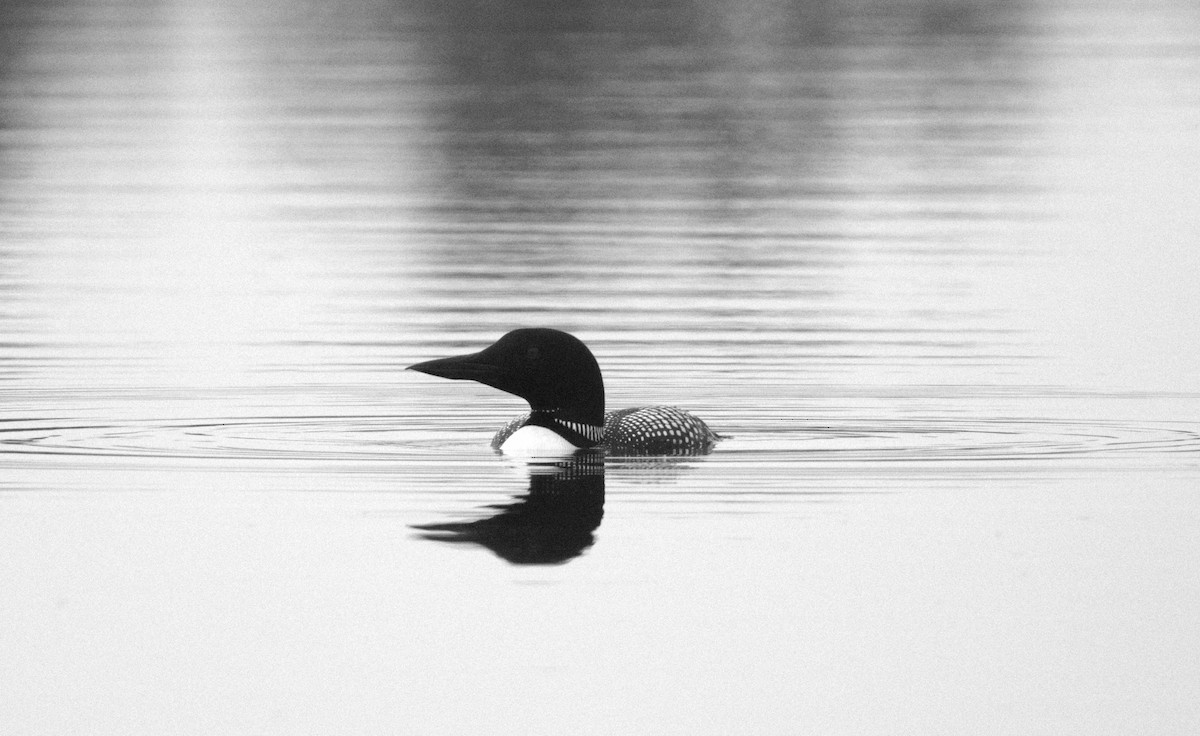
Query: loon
[{"x": 559, "y": 377}]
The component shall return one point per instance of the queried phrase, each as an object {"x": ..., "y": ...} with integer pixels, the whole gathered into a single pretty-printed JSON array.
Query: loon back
[
  {"x": 643, "y": 430},
  {"x": 559, "y": 377}
]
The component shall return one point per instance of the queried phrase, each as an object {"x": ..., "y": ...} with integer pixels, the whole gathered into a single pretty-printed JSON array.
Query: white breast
[{"x": 534, "y": 441}]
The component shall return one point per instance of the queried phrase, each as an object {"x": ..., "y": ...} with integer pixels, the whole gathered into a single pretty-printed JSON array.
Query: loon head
[{"x": 552, "y": 370}]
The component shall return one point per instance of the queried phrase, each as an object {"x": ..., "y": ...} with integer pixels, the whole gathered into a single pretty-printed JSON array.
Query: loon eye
[{"x": 532, "y": 354}]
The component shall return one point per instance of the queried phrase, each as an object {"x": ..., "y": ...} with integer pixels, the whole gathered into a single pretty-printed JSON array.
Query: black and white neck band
[{"x": 590, "y": 431}]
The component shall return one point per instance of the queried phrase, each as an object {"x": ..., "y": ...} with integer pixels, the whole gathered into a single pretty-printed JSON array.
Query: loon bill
[{"x": 559, "y": 377}]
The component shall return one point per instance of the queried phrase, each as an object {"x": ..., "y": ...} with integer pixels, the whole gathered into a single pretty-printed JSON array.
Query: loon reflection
[{"x": 552, "y": 524}]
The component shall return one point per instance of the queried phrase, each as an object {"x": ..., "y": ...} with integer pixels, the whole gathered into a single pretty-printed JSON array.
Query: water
[{"x": 930, "y": 267}]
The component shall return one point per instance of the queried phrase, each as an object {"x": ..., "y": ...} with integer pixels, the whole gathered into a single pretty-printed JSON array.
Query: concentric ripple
[
  {"x": 310, "y": 438},
  {"x": 949, "y": 440},
  {"x": 348, "y": 438}
]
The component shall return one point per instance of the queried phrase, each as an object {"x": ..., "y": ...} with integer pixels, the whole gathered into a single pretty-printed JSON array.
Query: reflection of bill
[{"x": 551, "y": 524}]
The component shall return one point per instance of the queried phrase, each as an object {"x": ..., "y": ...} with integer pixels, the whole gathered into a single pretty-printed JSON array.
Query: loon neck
[{"x": 580, "y": 434}]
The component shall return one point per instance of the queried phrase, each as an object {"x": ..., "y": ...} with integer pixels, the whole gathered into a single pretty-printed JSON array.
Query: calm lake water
[{"x": 932, "y": 266}]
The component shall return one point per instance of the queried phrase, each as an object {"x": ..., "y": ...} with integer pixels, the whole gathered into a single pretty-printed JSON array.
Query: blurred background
[{"x": 195, "y": 192}]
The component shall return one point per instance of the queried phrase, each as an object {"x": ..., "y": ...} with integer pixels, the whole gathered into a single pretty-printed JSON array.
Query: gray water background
[{"x": 930, "y": 265}]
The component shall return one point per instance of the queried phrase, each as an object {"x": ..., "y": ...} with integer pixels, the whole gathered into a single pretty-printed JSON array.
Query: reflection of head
[{"x": 551, "y": 524}]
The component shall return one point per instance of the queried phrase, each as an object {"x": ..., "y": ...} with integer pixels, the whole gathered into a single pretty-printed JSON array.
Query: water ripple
[{"x": 382, "y": 438}]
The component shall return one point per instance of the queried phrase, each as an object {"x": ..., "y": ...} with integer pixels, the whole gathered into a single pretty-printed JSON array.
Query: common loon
[{"x": 559, "y": 377}]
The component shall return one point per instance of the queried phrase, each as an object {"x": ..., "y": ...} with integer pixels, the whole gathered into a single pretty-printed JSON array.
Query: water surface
[{"x": 930, "y": 267}]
